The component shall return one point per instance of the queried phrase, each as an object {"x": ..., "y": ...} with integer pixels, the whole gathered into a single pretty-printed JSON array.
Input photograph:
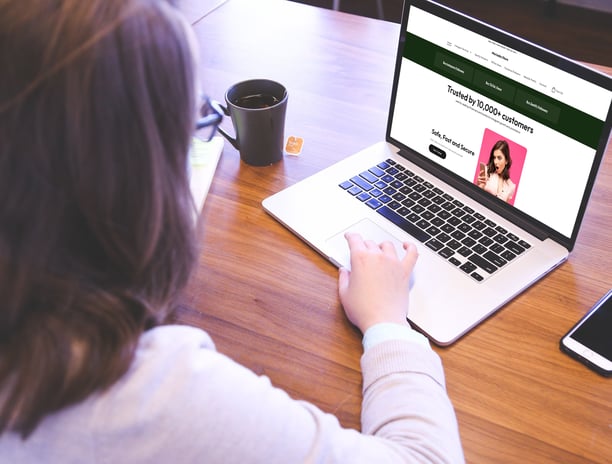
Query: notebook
[
  {"x": 203, "y": 160},
  {"x": 490, "y": 155}
]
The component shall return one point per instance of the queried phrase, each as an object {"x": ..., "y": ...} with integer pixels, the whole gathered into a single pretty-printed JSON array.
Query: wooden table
[{"x": 270, "y": 302}]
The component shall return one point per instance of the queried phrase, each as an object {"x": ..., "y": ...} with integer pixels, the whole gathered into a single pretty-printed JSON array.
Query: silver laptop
[{"x": 491, "y": 152}]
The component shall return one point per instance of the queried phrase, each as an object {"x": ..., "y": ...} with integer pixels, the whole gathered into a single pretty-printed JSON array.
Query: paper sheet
[{"x": 203, "y": 160}]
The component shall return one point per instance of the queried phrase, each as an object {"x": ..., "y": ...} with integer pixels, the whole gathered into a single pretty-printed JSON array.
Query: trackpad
[{"x": 338, "y": 247}]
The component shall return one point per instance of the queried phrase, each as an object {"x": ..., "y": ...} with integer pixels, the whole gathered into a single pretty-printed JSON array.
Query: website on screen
[{"x": 518, "y": 128}]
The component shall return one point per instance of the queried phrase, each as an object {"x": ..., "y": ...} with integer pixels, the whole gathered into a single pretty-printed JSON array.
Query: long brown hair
[
  {"x": 97, "y": 104},
  {"x": 502, "y": 146}
]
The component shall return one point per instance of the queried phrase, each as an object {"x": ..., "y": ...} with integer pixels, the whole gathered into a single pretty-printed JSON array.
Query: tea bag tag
[{"x": 294, "y": 145}]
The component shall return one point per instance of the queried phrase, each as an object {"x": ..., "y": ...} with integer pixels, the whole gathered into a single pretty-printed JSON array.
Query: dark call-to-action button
[{"x": 437, "y": 151}]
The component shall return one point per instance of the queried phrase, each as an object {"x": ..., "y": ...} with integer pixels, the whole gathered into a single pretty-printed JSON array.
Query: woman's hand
[
  {"x": 482, "y": 180},
  {"x": 376, "y": 289}
]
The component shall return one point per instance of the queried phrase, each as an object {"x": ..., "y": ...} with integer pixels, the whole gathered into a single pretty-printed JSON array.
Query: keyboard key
[
  {"x": 446, "y": 252},
  {"x": 479, "y": 249},
  {"x": 444, "y": 214},
  {"x": 403, "y": 224},
  {"x": 422, "y": 224},
  {"x": 403, "y": 211},
  {"x": 501, "y": 230},
  {"x": 467, "y": 267},
  {"x": 434, "y": 208},
  {"x": 489, "y": 232},
  {"x": 468, "y": 242},
  {"x": 449, "y": 229},
  {"x": 497, "y": 248},
  {"x": 454, "y": 221},
  {"x": 432, "y": 230},
  {"x": 413, "y": 217},
  {"x": 494, "y": 258},
  {"x": 477, "y": 276},
  {"x": 434, "y": 244},
  {"x": 464, "y": 251},
  {"x": 454, "y": 244},
  {"x": 514, "y": 247},
  {"x": 361, "y": 182},
  {"x": 524, "y": 244},
  {"x": 482, "y": 263},
  {"x": 436, "y": 221},
  {"x": 479, "y": 225},
  {"x": 475, "y": 234},
  {"x": 377, "y": 171},
  {"x": 499, "y": 238},
  {"x": 428, "y": 215},
  {"x": 443, "y": 237},
  {"x": 367, "y": 175},
  {"x": 484, "y": 240},
  {"x": 465, "y": 228},
  {"x": 380, "y": 184},
  {"x": 458, "y": 235}
]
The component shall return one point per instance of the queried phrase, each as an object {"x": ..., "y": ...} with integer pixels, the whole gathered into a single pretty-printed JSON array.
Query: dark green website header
[{"x": 537, "y": 106}]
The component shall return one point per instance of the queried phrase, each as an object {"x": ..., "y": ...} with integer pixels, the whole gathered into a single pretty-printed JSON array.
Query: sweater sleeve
[
  {"x": 184, "y": 402},
  {"x": 405, "y": 402}
]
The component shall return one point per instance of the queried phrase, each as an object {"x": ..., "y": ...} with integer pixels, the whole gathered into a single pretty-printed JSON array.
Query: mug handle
[{"x": 222, "y": 131}]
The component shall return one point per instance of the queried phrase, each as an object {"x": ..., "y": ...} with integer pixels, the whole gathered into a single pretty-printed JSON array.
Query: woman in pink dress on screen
[{"x": 495, "y": 177}]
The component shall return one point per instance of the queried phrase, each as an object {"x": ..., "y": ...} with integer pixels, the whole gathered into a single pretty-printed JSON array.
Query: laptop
[{"x": 491, "y": 152}]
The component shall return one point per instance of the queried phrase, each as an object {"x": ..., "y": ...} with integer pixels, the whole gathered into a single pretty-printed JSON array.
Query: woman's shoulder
[
  {"x": 174, "y": 336},
  {"x": 171, "y": 350}
]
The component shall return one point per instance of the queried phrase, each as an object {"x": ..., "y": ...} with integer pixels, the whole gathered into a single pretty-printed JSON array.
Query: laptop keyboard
[{"x": 463, "y": 237}]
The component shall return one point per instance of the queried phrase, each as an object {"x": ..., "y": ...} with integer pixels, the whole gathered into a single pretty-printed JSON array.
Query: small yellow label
[{"x": 294, "y": 145}]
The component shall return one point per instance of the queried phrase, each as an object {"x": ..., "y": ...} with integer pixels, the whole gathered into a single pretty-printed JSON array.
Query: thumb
[{"x": 343, "y": 280}]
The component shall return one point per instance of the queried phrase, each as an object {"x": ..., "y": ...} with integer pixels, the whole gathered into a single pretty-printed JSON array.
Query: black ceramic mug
[{"x": 257, "y": 108}]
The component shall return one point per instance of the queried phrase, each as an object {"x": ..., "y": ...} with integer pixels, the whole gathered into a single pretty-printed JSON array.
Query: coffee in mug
[{"x": 258, "y": 100}]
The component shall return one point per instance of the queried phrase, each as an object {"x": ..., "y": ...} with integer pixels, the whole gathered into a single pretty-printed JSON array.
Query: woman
[
  {"x": 97, "y": 106},
  {"x": 496, "y": 178}
]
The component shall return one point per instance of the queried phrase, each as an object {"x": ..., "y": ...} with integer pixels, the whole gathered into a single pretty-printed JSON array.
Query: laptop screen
[{"x": 502, "y": 115}]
